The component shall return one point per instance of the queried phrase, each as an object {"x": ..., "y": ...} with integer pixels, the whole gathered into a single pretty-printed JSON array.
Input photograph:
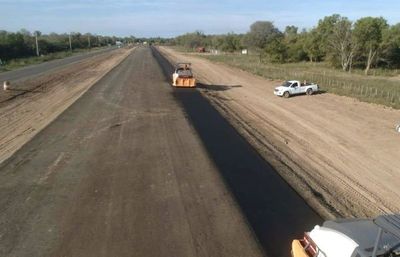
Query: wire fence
[{"x": 380, "y": 90}]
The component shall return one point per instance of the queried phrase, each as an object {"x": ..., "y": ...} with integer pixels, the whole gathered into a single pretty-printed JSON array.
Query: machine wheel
[
  {"x": 286, "y": 94},
  {"x": 309, "y": 91}
]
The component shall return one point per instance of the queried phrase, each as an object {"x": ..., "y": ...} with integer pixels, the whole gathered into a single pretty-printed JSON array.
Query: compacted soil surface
[
  {"x": 105, "y": 158},
  {"x": 341, "y": 155},
  {"x": 31, "y": 103}
]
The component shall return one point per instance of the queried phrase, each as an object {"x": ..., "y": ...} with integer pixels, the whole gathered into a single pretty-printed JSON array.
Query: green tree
[
  {"x": 341, "y": 44},
  {"x": 312, "y": 45},
  {"x": 193, "y": 40},
  {"x": 368, "y": 33},
  {"x": 391, "y": 46},
  {"x": 294, "y": 43},
  {"x": 230, "y": 42},
  {"x": 259, "y": 34},
  {"x": 324, "y": 30},
  {"x": 276, "y": 49}
]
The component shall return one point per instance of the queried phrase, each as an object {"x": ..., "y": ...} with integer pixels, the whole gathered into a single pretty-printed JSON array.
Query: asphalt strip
[{"x": 274, "y": 211}]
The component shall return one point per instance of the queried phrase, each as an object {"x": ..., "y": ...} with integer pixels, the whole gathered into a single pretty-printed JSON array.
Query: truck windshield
[{"x": 286, "y": 84}]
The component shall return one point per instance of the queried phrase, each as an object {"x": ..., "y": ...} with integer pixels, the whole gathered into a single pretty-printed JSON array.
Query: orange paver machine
[{"x": 183, "y": 76}]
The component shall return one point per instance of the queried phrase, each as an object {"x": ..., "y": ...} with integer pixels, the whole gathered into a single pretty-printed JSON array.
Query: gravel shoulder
[
  {"x": 340, "y": 154},
  {"x": 30, "y": 105}
]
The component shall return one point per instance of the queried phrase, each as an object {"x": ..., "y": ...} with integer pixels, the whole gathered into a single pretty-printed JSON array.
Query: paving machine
[{"x": 183, "y": 76}]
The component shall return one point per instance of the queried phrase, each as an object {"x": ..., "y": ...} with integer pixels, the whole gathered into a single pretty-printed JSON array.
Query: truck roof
[
  {"x": 389, "y": 223},
  {"x": 364, "y": 232}
]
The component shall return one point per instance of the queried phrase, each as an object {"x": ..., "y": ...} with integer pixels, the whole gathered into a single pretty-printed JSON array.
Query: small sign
[
  {"x": 6, "y": 85},
  {"x": 244, "y": 51},
  {"x": 398, "y": 128}
]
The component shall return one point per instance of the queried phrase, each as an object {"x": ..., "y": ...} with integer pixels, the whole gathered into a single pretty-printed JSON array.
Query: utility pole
[
  {"x": 70, "y": 42},
  {"x": 37, "y": 44}
]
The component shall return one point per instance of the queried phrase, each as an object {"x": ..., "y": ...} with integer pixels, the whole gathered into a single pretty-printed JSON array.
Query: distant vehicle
[
  {"x": 183, "y": 76},
  {"x": 201, "y": 49},
  {"x": 294, "y": 87},
  {"x": 379, "y": 237},
  {"x": 119, "y": 44}
]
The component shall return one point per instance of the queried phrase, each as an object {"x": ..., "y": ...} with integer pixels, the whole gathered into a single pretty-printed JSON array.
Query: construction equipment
[
  {"x": 201, "y": 49},
  {"x": 379, "y": 237},
  {"x": 183, "y": 76}
]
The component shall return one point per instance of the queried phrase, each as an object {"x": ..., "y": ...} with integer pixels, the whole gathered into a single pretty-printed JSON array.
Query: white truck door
[{"x": 296, "y": 89}]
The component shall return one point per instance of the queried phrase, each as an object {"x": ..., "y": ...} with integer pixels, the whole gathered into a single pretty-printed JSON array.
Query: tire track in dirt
[
  {"x": 275, "y": 212},
  {"x": 32, "y": 104},
  {"x": 324, "y": 161}
]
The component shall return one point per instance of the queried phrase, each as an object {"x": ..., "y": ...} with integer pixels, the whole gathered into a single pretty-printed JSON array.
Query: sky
[{"x": 169, "y": 18}]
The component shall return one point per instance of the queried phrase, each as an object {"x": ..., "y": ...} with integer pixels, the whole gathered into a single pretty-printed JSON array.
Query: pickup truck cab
[{"x": 294, "y": 87}]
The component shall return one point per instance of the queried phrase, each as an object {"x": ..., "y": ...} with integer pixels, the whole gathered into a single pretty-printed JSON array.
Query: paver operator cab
[
  {"x": 183, "y": 76},
  {"x": 379, "y": 237}
]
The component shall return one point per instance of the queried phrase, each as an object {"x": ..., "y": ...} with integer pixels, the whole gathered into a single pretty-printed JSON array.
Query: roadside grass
[
  {"x": 384, "y": 90},
  {"x": 21, "y": 62}
]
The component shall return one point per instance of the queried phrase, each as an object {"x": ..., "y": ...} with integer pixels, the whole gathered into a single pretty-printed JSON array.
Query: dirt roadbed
[
  {"x": 31, "y": 105},
  {"x": 122, "y": 172},
  {"x": 340, "y": 154}
]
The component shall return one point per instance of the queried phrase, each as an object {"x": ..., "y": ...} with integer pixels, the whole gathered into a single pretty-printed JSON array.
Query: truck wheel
[
  {"x": 309, "y": 91},
  {"x": 286, "y": 94}
]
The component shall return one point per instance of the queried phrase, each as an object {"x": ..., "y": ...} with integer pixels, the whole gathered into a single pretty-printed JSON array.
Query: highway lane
[
  {"x": 274, "y": 211},
  {"x": 37, "y": 69},
  {"x": 137, "y": 168},
  {"x": 122, "y": 172}
]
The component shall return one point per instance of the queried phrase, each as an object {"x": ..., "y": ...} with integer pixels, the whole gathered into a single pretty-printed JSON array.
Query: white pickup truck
[{"x": 294, "y": 87}]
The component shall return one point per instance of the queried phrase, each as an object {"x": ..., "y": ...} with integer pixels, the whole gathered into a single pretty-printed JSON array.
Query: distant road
[{"x": 37, "y": 69}]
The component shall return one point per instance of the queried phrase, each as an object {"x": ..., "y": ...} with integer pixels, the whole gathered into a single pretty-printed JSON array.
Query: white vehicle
[
  {"x": 379, "y": 237},
  {"x": 294, "y": 87}
]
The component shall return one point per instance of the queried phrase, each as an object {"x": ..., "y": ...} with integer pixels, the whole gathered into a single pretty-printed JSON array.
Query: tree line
[
  {"x": 22, "y": 44},
  {"x": 365, "y": 43}
]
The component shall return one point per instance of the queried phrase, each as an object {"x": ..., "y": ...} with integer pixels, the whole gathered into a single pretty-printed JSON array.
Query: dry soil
[{"x": 340, "y": 154}]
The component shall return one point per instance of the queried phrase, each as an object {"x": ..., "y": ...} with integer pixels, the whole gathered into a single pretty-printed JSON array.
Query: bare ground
[
  {"x": 340, "y": 154},
  {"x": 32, "y": 104},
  {"x": 122, "y": 172}
]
